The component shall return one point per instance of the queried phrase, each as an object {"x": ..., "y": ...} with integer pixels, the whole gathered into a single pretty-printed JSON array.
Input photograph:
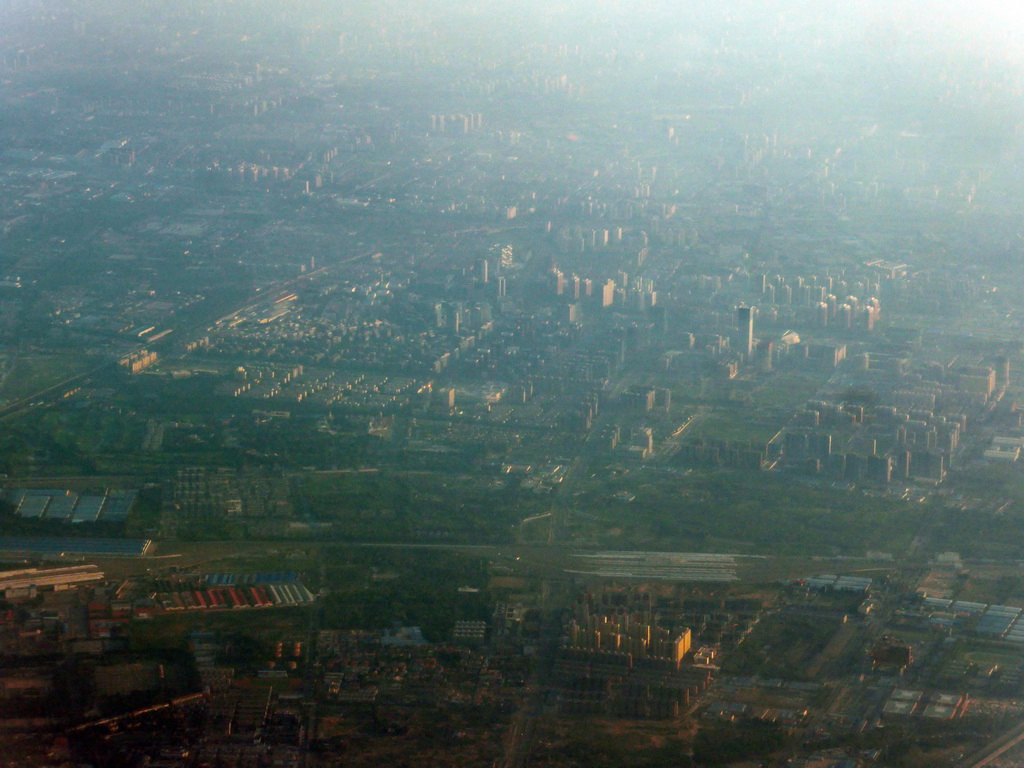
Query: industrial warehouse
[
  {"x": 25, "y": 582},
  {"x": 218, "y": 591}
]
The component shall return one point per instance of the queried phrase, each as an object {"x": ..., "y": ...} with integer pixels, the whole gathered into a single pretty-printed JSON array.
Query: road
[
  {"x": 995, "y": 750},
  {"x": 137, "y": 712},
  {"x": 561, "y": 505},
  {"x": 311, "y": 675},
  {"x": 273, "y": 292},
  {"x": 523, "y": 732},
  {"x": 53, "y": 392}
]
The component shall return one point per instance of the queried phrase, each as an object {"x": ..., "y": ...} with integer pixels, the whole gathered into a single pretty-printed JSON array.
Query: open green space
[
  {"x": 375, "y": 589},
  {"x": 736, "y": 425},
  {"x": 26, "y": 375},
  {"x": 1007, "y": 661},
  {"x": 608, "y": 744},
  {"x": 783, "y": 645},
  {"x": 983, "y": 534},
  {"x": 365, "y": 588},
  {"x": 611, "y": 744},
  {"x": 759, "y": 513},
  {"x": 784, "y": 389},
  {"x": 170, "y": 631},
  {"x": 415, "y": 507}
]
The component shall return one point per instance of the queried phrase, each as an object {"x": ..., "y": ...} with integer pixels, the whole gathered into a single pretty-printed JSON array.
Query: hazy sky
[
  {"x": 797, "y": 30},
  {"x": 997, "y": 19}
]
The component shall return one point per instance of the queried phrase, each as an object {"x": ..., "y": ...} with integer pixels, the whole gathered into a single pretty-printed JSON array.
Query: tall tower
[
  {"x": 745, "y": 325},
  {"x": 1002, "y": 371},
  {"x": 608, "y": 294}
]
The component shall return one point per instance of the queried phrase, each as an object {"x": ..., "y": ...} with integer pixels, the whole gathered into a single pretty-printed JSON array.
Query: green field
[
  {"x": 24, "y": 376},
  {"x": 735, "y": 425},
  {"x": 725, "y": 511},
  {"x": 170, "y": 631}
]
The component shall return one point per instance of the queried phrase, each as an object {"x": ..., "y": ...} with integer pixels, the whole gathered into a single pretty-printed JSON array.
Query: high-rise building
[
  {"x": 745, "y": 325},
  {"x": 844, "y": 315},
  {"x": 507, "y": 257},
  {"x": 1002, "y": 370},
  {"x": 821, "y": 314},
  {"x": 608, "y": 294}
]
